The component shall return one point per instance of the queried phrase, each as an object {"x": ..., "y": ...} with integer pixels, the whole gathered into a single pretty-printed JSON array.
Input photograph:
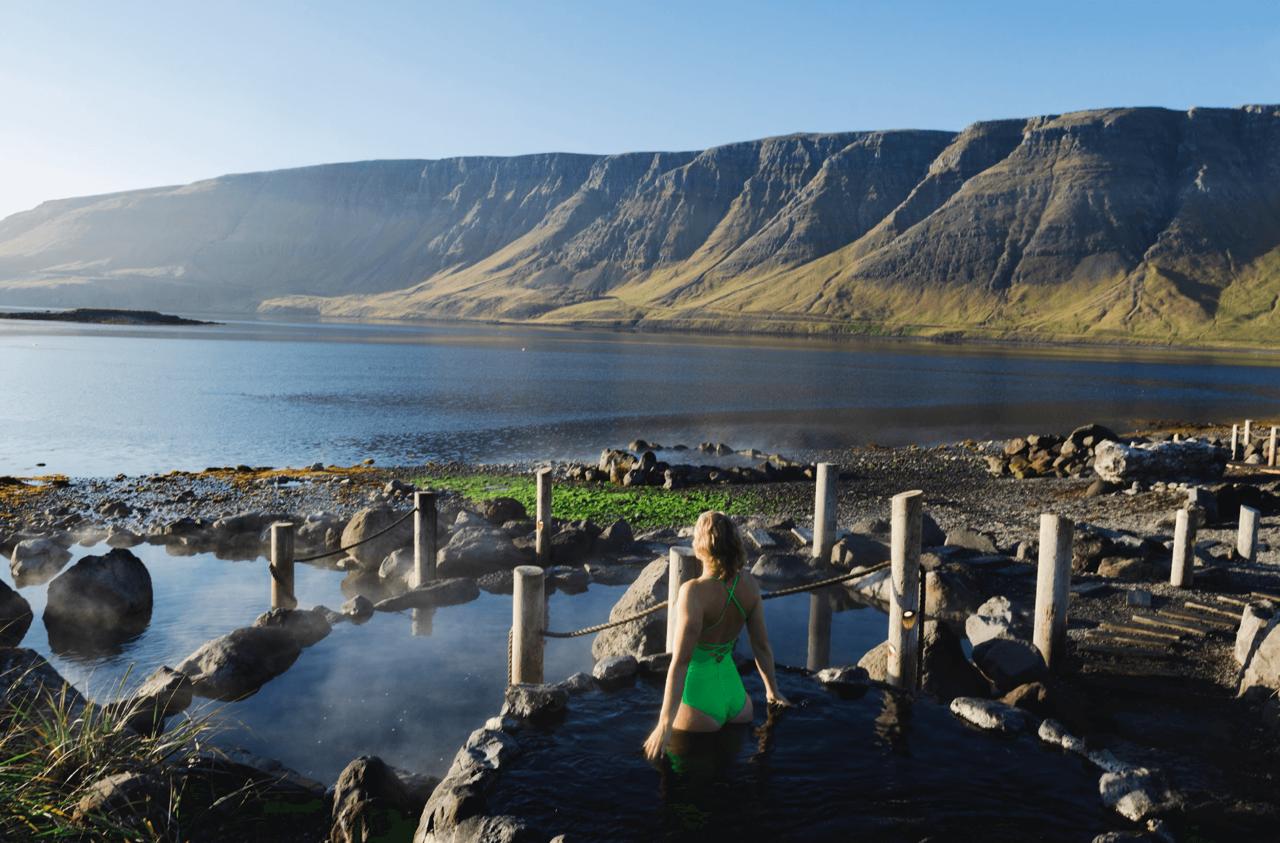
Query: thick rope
[
  {"x": 353, "y": 545},
  {"x": 769, "y": 595}
]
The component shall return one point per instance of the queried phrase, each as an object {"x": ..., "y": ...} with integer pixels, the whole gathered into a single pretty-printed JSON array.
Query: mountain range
[{"x": 1142, "y": 224}]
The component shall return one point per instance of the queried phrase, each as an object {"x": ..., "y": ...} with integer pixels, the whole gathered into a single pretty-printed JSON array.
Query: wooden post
[
  {"x": 424, "y": 537},
  {"x": 1053, "y": 586},
  {"x": 904, "y": 597},
  {"x": 1182, "y": 570},
  {"x": 1247, "y": 539},
  {"x": 1235, "y": 441},
  {"x": 824, "y": 510},
  {"x": 528, "y": 610},
  {"x": 1271, "y": 450},
  {"x": 1248, "y": 437},
  {"x": 819, "y": 652},
  {"x": 682, "y": 565},
  {"x": 542, "y": 536},
  {"x": 281, "y": 567}
]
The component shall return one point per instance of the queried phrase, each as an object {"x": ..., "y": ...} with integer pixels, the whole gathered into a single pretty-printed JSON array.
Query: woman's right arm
[{"x": 763, "y": 653}]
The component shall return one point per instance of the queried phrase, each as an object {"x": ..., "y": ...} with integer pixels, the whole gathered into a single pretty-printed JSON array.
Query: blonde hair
[{"x": 717, "y": 544}]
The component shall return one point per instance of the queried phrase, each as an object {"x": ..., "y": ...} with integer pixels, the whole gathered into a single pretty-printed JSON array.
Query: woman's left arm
[{"x": 688, "y": 628}]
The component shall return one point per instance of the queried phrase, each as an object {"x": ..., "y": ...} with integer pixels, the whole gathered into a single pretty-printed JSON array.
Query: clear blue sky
[{"x": 101, "y": 96}]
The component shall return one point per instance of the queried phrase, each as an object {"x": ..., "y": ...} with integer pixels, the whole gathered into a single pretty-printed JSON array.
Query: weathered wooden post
[
  {"x": 819, "y": 652},
  {"x": 1248, "y": 437},
  {"x": 424, "y": 537},
  {"x": 1182, "y": 570},
  {"x": 1247, "y": 538},
  {"x": 904, "y": 596},
  {"x": 281, "y": 566},
  {"x": 1271, "y": 449},
  {"x": 1235, "y": 442},
  {"x": 682, "y": 565},
  {"x": 528, "y": 607},
  {"x": 542, "y": 536},
  {"x": 824, "y": 510},
  {"x": 1053, "y": 586}
]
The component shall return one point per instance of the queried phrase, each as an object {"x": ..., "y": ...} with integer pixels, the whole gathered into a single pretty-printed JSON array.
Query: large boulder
[
  {"x": 647, "y": 635},
  {"x": 28, "y": 682},
  {"x": 946, "y": 673},
  {"x": 475, "y": 551},
  {"x": 369, "y": 522},
  {"x": 164, "y": 693},
  {"x": 100, "y": 598},
  {"x": 1255, "y": 622},
  {"x": 502, "y": 510},
  {"x": 1009, "y": 662},
  {"x": 397, "y": 568},
  {"x": 1188, "y": 459},
  {"x": 1263, "y": 670},
  {"x": 993, "y": 619},
  {"x": 137, "y": 801},
  {"x": 15, "y": 616},
  {"x": 370, "y": 802},
  {"x": 239, "y": 663},
  {"x": 36, "y": 561}
]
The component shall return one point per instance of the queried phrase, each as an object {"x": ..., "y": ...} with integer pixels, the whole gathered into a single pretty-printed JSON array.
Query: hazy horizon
[{"x": 103, "y": 100}]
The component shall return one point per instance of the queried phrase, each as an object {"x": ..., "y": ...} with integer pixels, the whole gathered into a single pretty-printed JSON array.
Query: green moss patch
[{"x": 643, "y": 507}]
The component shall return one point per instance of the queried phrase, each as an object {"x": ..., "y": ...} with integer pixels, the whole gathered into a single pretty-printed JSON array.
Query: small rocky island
[{"x": 103, "y": 316}]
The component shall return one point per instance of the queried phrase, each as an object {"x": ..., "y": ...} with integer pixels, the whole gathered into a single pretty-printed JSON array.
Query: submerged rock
[
  {"x": 239, "y": 663},
  {"x": 307, "y": 626},
  {"x": 444, "y": 592}
]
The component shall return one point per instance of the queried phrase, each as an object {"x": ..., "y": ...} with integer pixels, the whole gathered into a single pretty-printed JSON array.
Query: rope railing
[
  {"x": 354, "y": 545},
  {"x": 768, "y": 595}
]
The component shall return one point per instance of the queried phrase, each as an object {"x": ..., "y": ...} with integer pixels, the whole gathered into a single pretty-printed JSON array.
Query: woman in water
[{"x": 704, "y": 690}]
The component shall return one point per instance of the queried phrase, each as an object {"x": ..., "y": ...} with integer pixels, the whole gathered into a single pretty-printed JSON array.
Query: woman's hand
[
  {"x": 656, "y": 743},
  {"x": 779, "y": 701}
]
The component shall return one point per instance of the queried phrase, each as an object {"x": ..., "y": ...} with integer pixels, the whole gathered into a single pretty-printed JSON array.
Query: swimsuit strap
[{"x": 730, "y": 599}]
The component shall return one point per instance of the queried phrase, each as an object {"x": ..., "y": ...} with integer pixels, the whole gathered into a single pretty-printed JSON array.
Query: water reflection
[
  {"x": 819, "y": 651},
  {"x": 893, "y": 722},
  {"x": 420, "y": 622}
]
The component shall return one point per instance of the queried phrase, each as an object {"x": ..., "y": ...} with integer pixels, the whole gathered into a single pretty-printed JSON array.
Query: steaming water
[
  {"x": 100, "y": 400},
  {"x": 876, "y": 768},
  {"x": 376, "y": 688}
]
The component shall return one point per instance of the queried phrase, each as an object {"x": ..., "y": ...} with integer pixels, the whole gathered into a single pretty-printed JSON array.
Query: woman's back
[{"x": 725, "y": 606}]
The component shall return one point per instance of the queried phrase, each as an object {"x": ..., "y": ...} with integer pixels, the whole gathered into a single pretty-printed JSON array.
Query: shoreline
[{"x": 990, "y": 528}]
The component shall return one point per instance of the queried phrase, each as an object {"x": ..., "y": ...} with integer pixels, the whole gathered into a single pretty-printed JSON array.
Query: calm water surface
[
  {"x": 99, "y": 400},
  {"x": 376, "y": 688}
]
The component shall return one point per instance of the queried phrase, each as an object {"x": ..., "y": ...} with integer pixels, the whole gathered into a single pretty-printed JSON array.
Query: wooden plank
[
  {"x": 1106, "y": 638},
  {"x": 1262, "y": 595},
  {"x": 1205, "y": 623},
  {"x": 1234, "y": 601},
  {"x": 1125, "y": 629},
  {"x": 1125, "y": 651},
  {"x": 1213, "y": 610},
  {"x": 1168, "y": 623}
]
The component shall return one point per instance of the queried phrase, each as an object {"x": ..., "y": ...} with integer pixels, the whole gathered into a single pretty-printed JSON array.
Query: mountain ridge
[{"x": 1135, "y": 224}]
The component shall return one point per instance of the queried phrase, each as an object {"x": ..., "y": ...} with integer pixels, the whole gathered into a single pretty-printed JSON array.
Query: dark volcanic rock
[
  {"x": 15, "y": 616},
  {"x": 240, "y": 662},
  {"x": 99, "y": 599}
]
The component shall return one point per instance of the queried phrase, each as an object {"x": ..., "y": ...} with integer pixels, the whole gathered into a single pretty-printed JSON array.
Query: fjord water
[{"x": 101, "y": 400}]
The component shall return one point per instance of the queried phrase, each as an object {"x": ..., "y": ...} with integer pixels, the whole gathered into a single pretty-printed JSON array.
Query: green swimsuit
[{"x": 713, "y": 685}]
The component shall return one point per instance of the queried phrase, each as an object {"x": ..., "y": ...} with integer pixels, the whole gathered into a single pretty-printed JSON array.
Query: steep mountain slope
[{"x": 1121, "y": 223}]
